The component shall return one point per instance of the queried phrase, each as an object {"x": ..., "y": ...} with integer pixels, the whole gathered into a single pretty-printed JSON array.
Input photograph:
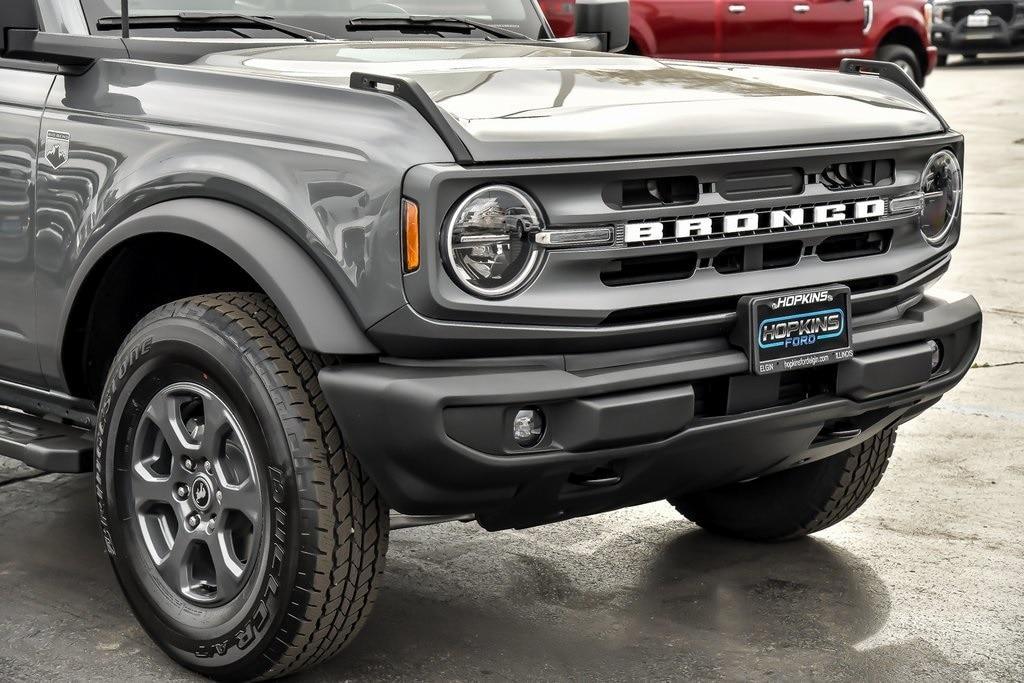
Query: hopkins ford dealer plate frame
[{"x": 799, "y": 329}]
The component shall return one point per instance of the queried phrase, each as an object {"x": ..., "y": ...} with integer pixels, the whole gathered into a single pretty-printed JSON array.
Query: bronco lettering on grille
[{"x": 802, "y": 217}]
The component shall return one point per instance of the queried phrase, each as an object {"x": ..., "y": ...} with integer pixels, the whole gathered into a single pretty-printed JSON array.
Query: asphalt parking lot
[{"x": 925, "y": 582}]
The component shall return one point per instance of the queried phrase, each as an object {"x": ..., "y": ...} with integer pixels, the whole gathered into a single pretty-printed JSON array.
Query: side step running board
[{"x": 45, "y": 445}]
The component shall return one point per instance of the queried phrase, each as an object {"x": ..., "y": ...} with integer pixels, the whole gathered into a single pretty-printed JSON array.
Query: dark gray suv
[{"x": 286, "y": 274}]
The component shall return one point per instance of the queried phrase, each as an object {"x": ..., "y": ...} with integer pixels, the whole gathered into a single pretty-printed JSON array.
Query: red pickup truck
[{"x": 809, "y": 33}]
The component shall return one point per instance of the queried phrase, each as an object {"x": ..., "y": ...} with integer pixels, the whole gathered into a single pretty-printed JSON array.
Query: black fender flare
[{"x": 314, "y": 309}]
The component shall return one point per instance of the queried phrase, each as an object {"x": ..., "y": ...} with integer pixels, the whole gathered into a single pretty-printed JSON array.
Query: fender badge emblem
[{"x": 58, "y": 146}]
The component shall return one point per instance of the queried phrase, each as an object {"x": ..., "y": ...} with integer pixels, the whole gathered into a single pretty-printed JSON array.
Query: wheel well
[
  {"x": 904, "y": 35},
  {"x": 131, "y": 280}
]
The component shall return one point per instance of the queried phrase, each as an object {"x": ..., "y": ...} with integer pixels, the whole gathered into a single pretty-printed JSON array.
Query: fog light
[
  {"x": 936, "y": 348},
  {"x": 528, "y": 427}
]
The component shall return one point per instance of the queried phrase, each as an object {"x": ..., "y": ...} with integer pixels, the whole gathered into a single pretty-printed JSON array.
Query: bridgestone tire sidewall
[{"x": 228, "y": 641}]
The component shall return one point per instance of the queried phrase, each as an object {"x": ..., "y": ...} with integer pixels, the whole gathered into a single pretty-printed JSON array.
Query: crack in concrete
[
  {"x": 1006, "y": 311},
  {"x": 997, "y": 365}
]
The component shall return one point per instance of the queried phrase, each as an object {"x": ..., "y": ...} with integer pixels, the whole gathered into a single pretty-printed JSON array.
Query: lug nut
[
  {"x": 208, "y": 466},
  {"x": 192, "y": 521},
  {"x": 189, "y": 465},
  {"x": 220, "y": 496},
  {"x": 181, "y": 491}
]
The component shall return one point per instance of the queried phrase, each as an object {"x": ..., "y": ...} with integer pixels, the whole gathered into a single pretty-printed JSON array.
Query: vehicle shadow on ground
[
  {"x": 603, "y": 598},
  {"x": 703, "y": 607}
]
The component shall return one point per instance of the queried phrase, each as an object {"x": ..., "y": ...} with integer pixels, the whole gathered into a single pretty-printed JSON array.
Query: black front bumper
[
  {"x": 630, "y": 427},
  {"x": 999, "y": 36}
]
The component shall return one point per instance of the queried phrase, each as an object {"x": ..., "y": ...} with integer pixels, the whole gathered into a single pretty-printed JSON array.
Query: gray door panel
[{"x": 22, "y": 96}]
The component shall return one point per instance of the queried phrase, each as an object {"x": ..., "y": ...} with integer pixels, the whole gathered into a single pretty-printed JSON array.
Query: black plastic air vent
[
  {"x": 857, "y": 245},
  {"x": 854, "y": 174},
  {"x": 758, "y": 257},
  {"x": 781, "y": 254},
  {"x": 780, "y": 182},
  {"x": 688, "y": 309},
  {"x": 647, "y": 192},
  {"x": 663, "y": 268},
  {"x": 728, "y": 304},
  {"x": 869, "y": 284}
]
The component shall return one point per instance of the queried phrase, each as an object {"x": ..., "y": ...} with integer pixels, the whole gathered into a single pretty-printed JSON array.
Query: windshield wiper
[
  {"x": 209, "y": 21},
  {"x": 430, "y": 25}
]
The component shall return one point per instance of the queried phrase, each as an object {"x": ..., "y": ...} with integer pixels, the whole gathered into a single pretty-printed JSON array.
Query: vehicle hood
[{"x": 511, "y": 102}]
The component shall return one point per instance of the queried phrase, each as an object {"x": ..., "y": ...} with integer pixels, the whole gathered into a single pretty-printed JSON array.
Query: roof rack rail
[
  {"x": 890, "y": 72},
  {"x": 413, "y": 93}
]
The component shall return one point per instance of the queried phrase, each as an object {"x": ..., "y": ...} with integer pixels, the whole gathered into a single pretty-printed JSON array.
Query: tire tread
[
  {"x": 344, "y": 537},
  {"x": 838, "y": 487}
]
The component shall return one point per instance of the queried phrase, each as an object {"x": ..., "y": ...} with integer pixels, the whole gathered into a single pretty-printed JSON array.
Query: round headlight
[
  {"x": 487, "y": 243},
  {"x": 941, "y": 184}
]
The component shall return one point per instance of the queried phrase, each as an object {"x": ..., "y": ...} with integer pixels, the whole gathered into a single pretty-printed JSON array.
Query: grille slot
[
  {"x": 649, "y": 192},
  {"x": 729, "y": 261},
  {"x": 758, "y": 257},
  {"x": 775, "y": 183},
  {"x": 689, "y": 309},
  {"x": 854, "y": 174},
  {"x": 643, "y": 269},
  {"x": 717, "y": 396},
  {"x": 860, "y": 244},
  {"x": 781, "y": 255},
  {"x": 728, "y": 304}
]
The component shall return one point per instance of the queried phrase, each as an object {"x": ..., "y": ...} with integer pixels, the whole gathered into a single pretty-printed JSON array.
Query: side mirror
[{"x": 606, "y": 19}]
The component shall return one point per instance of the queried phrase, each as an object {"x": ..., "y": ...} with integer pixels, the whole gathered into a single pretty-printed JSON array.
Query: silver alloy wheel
[{"x": 197, "y": 498}]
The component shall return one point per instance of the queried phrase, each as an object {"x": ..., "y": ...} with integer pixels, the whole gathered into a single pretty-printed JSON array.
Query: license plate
[
  {"x": 977, "y": 21},
  {"x": 802, "y": 329}
]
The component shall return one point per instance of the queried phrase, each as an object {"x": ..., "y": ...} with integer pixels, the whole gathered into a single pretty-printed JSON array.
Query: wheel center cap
[{"x": 202, "y": 492}]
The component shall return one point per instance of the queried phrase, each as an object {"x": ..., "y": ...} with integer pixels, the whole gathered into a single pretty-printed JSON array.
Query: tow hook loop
[
  {"x": 837, "y": 433},
  {"x": 602, "y": 476}
]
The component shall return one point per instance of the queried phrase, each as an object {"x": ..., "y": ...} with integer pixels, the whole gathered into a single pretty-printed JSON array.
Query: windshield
[{"x": 328, "y": 16}]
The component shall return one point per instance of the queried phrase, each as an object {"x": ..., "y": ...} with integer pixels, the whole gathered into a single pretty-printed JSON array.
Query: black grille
[
  {"x": 758, "y": 257},
  {"x": 635, "y": 271},
  {"x": 1003, "y": 10},
  {"x": 721, "y": 396},
  {"x": 860, "y": 244},
  {"x": 647, "y": 192},
  {"x": 728, "y": 304}
]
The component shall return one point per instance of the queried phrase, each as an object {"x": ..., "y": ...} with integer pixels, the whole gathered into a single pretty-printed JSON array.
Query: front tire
[
  {"x": 247, "y": 540},
  {"x": 794, "y": 502}
]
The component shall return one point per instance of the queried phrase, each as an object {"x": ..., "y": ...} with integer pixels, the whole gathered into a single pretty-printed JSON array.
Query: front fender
[
  {"x": 318, "y": 317},
  {"x": 898, "y": 16}
]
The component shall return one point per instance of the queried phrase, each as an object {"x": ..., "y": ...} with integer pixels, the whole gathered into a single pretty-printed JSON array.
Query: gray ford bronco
[{"x": 287, "y": 274}]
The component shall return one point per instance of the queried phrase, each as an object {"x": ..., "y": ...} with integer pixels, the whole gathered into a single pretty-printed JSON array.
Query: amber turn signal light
[{"x": 411, "y": 234}]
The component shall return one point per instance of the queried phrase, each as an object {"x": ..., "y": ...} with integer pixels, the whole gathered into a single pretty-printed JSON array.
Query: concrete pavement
[{"x": 925, "y": 582}]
